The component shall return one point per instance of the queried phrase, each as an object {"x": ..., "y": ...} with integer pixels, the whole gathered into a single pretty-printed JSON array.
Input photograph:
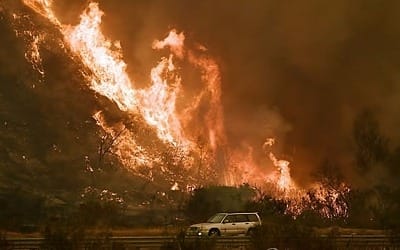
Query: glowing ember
[
  {"x": 33, "y": 39},
  {"x": 175, "y": 186},
  {"x": 33, "y": 54}
]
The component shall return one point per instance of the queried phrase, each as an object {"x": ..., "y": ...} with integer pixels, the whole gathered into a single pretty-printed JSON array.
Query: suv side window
[
  {"x": 241, "y": 218},
  {"x": 252, "y": 217}
]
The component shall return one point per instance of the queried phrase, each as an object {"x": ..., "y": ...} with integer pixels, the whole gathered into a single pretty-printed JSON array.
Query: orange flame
[
  {"x": 158, "y": 103},
  {"x": 103, "y": 58},
  {"x": 214, "y": 117},
  {"x": 283, "y": 180},
  {"x": 174, "y": 41},
  {"x": 43, "y": 7}
]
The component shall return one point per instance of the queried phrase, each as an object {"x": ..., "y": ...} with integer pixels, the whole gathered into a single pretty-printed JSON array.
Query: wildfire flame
[
  {"x": 195, "y": 130},
  {"x": 283, "y": 179},
  {"x": 327, "y": 200},
  {"x": 102, "y": 57}
]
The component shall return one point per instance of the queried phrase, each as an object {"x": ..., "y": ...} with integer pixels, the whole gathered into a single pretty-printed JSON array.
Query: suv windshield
[{"x": 217, "y": 218}]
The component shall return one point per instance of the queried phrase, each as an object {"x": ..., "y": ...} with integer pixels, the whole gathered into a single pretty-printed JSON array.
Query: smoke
[{"x": 299, "y": 71}]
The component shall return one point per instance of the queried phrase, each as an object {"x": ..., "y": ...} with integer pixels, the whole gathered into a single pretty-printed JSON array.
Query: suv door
[
  {"x": 229, "y": 225},
  {"x": 242, "y": 223}
]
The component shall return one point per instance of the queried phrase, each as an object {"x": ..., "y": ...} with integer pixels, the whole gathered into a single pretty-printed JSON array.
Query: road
[{"x": 168, "y": 242}]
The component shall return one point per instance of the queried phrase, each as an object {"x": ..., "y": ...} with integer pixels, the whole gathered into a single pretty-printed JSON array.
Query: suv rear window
[{"x": 252, "y": 217}]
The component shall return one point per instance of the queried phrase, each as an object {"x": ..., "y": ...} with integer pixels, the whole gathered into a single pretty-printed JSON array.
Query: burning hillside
[{"x": 166, "y": 128}]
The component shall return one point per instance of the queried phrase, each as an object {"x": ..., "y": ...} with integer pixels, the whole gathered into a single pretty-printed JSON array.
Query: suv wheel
[{"x": 213, "y": 232}]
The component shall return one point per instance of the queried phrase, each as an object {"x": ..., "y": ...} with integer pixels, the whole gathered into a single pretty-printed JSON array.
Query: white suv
[{"x": 226, "y": 224}]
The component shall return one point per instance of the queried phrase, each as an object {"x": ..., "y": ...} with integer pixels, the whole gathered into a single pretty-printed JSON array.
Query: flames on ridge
[{"x": 192, "y": 132}]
